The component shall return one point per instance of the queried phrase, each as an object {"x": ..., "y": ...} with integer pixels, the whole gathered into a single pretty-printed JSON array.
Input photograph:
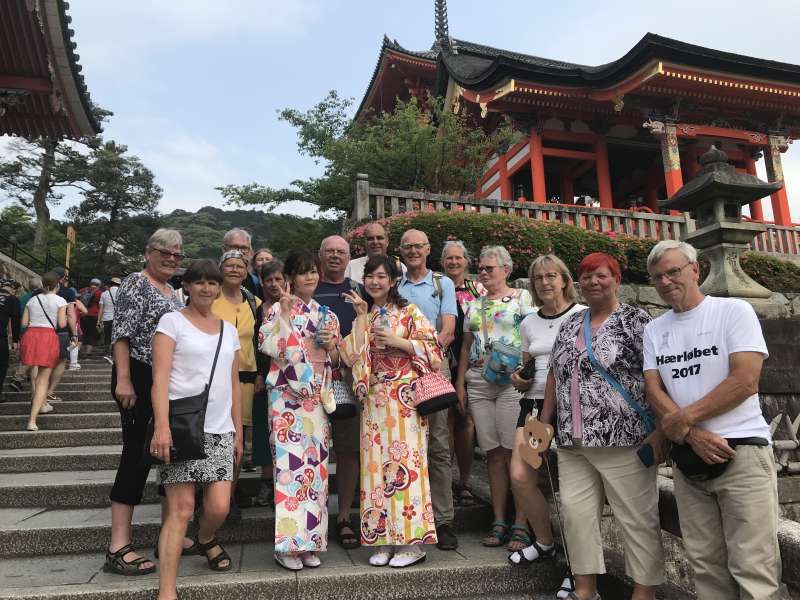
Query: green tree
[
  {"x": 420, "y": 145},
  {"x": 120, "y": 198}
]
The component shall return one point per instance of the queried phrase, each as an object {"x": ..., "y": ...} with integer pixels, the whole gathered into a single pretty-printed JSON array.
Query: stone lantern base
[{"x": 726, "y": 277}]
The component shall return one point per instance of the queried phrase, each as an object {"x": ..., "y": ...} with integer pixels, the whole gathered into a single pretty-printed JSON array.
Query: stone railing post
[{"x": 361, "y": 206}]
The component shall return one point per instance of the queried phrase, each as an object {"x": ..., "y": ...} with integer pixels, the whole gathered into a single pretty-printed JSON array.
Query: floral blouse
[
  {"x": 607, "y": 419},
  {"x": 503, "y": 317},
  {"x": 297, "y": 363},
  {"x": 140, "y": 305}
]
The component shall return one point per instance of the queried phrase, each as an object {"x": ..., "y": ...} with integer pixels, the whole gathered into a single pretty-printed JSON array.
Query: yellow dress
[{"x": 395, "y": 498}]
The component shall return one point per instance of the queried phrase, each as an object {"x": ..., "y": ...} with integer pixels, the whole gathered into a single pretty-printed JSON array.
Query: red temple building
[{"x": 626, "y": 134}]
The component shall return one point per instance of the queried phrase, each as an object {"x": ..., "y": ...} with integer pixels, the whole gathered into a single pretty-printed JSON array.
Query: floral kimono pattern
[
  {"x": 299, "y": 380},
  {"x": 396, "y": 505}
]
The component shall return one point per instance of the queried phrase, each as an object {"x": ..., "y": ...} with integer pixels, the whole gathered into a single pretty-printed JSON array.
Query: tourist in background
[
  {"x": 377, "y": 243},
  {"x": 144, "y": 297},
  {"x": 90, "y": 297},
  {"x": 492, "y": 399},
  {"x": 42, "y": 316},
  {"x": 390, "y": 346},
  {"x": 22, "y": 373},
  {"x": 550, "y": 283},
  {"x": 728, "y": 503},
  {"x": 435, "y": 296},
  {"x": 241, "y": 240},
  {"x": 455, "y": 264},
  {"x": 241, "y": 309},
  {"x": 334, "y": 256},
  {"x": 302, "y": 340},
  {"x": 192, "y": 349},
  {"x": 599, "y": 431},
  {"x": 9, "y": 324},
  {"x": 105, "y": 316}
]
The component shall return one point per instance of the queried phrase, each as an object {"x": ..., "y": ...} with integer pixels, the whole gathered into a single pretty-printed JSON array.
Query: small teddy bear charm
[{"x": 537, "y": 440}]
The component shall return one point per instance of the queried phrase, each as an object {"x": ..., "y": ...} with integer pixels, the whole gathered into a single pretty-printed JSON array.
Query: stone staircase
[{"x": 55, "y": 524}]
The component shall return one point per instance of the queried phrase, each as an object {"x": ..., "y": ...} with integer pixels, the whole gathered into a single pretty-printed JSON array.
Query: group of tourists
[{"x": 292, "y": 360}]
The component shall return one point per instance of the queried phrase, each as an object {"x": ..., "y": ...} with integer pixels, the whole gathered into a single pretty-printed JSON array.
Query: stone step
[
  {"x": 84, "y": 489},
  {"x": 92, "y": 393},
  {"x": 68, "y": 407},
  {"x": 57, "y": 421},
  {"x": 470, "y": 572},
  {"x": 84, "y": 458},
  {"x": 36, "y": 530},
  {"x": 59, "y": 439}
]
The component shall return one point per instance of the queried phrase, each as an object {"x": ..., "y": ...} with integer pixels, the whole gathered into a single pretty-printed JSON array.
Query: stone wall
[{"x": 11, "y": 268}]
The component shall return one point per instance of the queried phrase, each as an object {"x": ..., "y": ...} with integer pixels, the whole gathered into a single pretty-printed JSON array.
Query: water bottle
[
  {"x": 382, "y": 323},
  {"x": 323, "y": 317}
]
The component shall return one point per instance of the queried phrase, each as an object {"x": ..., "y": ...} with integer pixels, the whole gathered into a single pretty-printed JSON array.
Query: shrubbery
[{"x": 525, "y": 239}]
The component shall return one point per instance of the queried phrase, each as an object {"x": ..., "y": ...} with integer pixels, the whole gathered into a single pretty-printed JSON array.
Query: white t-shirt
[
  {"x": 108, "y": 301},
  {"x": 51, "y": 304},
  {"x": 191, "y": 367},
  {"x": 355, "y": 269},
  {"x": 691, "y": 351},
  {"x": 538, "y": 333}
]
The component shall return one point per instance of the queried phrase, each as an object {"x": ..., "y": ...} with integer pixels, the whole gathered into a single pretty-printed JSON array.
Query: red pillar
[
  {"x": 506, "y": 192},
  {"x": 672, "y": 159},
  {"x": 537, "y": 168},
  {"x": 756, "y": 212},
  {"x": 603, "y": 174},
  {"x": 567, "y": 189},
  {"x": 780, "y": 201},
  {"x": 651, "y": 198}
]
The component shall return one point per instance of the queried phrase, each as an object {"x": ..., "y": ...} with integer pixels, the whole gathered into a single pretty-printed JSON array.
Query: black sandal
[
  {"x": 213, "y": 563},
  {"x": 463, "y": 496},
  {"x": 349, "y": 541},
  {"x": 190, "y": 551},
  {"x": 115, "y": 563}
]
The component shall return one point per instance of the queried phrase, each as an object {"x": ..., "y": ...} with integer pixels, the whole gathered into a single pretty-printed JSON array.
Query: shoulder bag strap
[
  {"x": 483, "y": 325},
  {"x": 49, "y": 320},
  {"x": 587, "y": 337},
  {"x": 110, "y": 295},
  {"x": 216, "y": 354}
]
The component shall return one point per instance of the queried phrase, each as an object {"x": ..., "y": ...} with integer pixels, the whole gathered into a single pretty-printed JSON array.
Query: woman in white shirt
[
  {"x": 184, "y": 347},
  {"x": 39, "y": 347},
  {"x": 554, "y": 291}
]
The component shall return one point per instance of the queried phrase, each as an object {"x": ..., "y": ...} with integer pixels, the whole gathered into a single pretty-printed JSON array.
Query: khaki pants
[
  {"x": 729, "y": 526},
  {"x": 586, "y": 476},
  {"x": 439, "y": 470}
]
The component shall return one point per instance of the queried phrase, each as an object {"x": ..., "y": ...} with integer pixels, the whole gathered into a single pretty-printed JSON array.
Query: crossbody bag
[{"x": 187, "y": 417}]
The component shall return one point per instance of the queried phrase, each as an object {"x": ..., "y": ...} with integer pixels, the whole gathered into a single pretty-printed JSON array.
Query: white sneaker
[
  {"x": 409, "y": 555},
  {"x": 310, "y": 560},
  {"x": 381, "y": 558},
  {"x": 109, "y": 360},
  {"x": 75, "y": 367},
  {"x": 289, "y": 562},
  {"x": 46, "y": 408}
]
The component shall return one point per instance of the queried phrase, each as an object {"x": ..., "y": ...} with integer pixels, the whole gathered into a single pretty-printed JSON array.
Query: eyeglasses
[
  {"x": 489, "y": 270},
  {"x": 408, "y": 247},
  {"x": 550, "y": 277},
  {"x": 239, "y": 248},
  {"x": 335, "y": 252},
  {"x": 671, "y": 274},
  {"x": 165, "y": 254}
]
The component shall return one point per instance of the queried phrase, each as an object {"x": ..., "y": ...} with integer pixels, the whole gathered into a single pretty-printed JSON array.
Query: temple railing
[{"x": 378, "y": 203}]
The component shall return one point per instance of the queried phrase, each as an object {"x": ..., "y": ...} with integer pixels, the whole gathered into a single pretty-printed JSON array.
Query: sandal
[
  {"x": 213, "y": 563},
  {"x": 497, "y": 536},
  {"x": 567, "y": 587},
  {"x": 463, "y": 496},
  {"x": 190, "y": 551},
  {"x": 520, "y": 538},
  {"x": 349, "y": 540},
  {"x": 116, "y": 563},
  {"x": 518, "y": 557}
]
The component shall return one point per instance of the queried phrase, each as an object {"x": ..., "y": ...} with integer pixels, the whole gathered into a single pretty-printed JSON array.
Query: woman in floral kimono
[
  {"x": 301, "y": 337},
  {"x": 391, "y": 345}
]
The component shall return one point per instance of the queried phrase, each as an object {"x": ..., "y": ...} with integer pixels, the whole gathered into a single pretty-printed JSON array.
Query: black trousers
[
  {"x": 107, "y": 325},
  {"x": 133, "y": 470},
  {"x": 3, "y": 361}
]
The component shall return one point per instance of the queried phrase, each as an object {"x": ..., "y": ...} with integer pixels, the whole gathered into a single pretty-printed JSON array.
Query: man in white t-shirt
[
  {"x": 377, "y": 243},
  {"x": 702, "y": 363}
]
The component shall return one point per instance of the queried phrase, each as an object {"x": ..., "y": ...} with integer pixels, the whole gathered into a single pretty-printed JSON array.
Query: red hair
[{"x": 597, "y": 260}]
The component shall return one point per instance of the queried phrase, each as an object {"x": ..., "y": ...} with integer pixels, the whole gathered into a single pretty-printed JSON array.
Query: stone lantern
[{"x": 716, "y": 197}]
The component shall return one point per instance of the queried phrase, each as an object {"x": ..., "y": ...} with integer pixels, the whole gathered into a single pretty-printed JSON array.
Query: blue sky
[{"x": 195, "y": 84}]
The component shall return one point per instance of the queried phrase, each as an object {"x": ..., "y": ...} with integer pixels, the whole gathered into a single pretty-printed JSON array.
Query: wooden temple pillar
[
  {"x": 756, "y": 211},
  {"x": 539, "y": 191},
  {"x": 604, "y": 194},
  {"x": 506, "y": 191},
  {"x": 567, "y": 188},
  {"x": 780, "y": 201},
  {"x": 651, "y": 198},
  {"x": 671, "y": 158}
]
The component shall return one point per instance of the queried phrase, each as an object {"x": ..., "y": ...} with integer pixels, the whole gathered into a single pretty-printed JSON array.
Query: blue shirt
[{"x": 425, "y": 295}]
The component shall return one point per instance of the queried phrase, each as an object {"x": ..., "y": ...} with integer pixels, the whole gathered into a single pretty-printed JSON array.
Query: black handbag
[
  {"x": 529, "y": 370},
  {"x": 187, "y": 418}
]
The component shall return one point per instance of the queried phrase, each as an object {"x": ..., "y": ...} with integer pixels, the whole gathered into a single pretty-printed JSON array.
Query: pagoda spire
[{"x": 442, "y": 28}]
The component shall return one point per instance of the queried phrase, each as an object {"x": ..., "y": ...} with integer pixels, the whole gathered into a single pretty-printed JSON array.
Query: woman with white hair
[
  {"x": 143, "y": 298},
  {"x": 491, "y": 352}
]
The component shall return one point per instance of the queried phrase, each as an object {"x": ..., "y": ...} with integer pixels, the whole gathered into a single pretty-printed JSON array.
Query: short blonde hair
[{"x": 570, "y": 294}]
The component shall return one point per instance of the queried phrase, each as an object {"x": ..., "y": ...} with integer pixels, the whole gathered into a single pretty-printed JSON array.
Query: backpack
[{"x": 86, "y": 296}]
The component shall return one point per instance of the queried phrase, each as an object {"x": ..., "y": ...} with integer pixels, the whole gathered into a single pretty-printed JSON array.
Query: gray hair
[
  {"x": 330, "y": 238},
  {"x": 456, "y": 244},
  {"x": 500, "y": 253},
  {"x": 235, "y": 232},
  {"x": 165, "y": 238},
  {"x": 36, "y": 283},
  {"x": 658, "y": 251}
]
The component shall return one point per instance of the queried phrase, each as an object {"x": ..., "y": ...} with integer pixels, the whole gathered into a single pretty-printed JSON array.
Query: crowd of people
[{"x": 295, "y": 359}]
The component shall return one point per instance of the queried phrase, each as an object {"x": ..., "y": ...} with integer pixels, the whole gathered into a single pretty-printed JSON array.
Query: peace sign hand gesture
[
  {"x": 359, "y": 304},
  {"x": 286, "y": 300}
]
